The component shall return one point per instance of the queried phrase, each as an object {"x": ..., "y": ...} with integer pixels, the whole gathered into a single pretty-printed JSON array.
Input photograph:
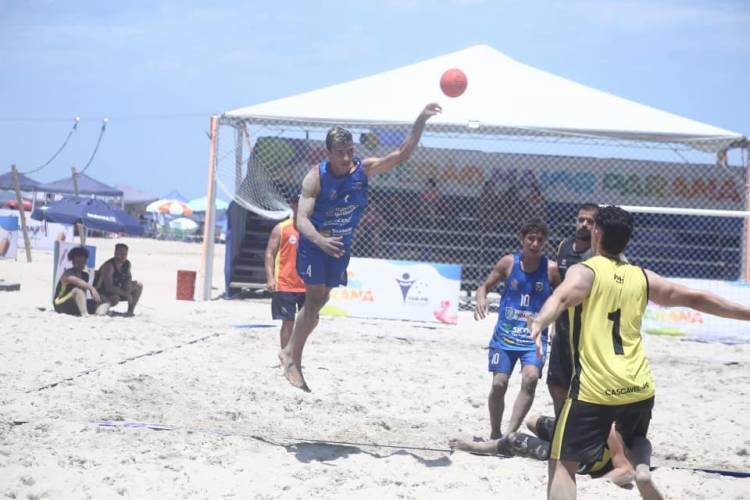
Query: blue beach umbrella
[
  {"x": 91, "y": 213},
  {"x": 200, "y": 204}
]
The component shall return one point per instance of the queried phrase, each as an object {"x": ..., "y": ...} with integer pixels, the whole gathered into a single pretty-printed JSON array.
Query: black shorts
[
  {"x": 582, "y": 428},
  {"x": 284, "y": 305},
  {"x": 560, "y": 368},
  {"x": 545, "y": 429},
  {"x": 70, "y": 307}
]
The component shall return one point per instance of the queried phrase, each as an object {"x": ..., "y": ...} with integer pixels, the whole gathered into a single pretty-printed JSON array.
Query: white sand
[{"x": 397, "y": 383}]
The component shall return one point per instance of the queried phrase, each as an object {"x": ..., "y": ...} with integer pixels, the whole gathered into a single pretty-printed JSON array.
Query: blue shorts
[
  {"x": 316, "y": 267},
  {"x": 503, "y": 361}
]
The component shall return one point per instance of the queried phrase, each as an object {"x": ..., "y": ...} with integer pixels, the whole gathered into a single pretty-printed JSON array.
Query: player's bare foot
[
  {"x": 460, "y": 445},
  {"x": 292, "y": 372}
]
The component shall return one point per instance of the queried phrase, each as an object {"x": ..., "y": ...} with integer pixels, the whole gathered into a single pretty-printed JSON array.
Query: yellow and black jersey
[
  {"x": 609, "y": 358},
  {"x": 64, "y": 291}
]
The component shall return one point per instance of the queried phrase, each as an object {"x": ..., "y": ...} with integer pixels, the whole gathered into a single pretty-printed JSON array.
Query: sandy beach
[{"x": 180, "y": 402}]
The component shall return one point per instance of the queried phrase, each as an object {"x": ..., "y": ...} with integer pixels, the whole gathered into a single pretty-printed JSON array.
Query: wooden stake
[{"x": 22, "y": 213}]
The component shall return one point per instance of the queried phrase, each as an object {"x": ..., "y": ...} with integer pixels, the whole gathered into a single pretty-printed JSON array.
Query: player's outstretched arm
[
  {"x": 271, "y": 249},
  {"x": 669, "y": 294},
  {"x": 333, "y": 246},
  {"x": 499, "y": 273},
  {"x": 379, "y": 165},
  {"x": 572, "y": 291}
]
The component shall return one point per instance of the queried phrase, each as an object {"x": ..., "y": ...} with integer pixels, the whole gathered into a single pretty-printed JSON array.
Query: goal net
[{"x": 465, "y": 192}]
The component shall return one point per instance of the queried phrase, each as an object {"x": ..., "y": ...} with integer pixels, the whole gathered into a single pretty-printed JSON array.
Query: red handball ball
[{"x": 453, "y": 82}]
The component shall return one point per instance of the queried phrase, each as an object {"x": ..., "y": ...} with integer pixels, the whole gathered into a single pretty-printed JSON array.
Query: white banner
[
  {"x": 684, "y": 322},
  {"x": 398, "y": 289}
]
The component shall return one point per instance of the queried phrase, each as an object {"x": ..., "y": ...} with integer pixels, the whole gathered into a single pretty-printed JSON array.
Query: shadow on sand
[{"x": 328, "y": 452}]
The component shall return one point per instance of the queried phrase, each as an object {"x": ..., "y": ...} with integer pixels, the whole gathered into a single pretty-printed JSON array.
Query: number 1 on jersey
[{"x": 614, "y": 317}]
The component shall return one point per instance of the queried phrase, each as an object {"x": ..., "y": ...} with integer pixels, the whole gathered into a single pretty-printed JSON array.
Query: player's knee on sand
[
  {"x": 531, "y": 423},
  {"x": 643, "y": 475}
]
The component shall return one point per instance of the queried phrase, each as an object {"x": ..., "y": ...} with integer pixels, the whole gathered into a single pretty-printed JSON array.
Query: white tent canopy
[{"x": 502, "y": 93}]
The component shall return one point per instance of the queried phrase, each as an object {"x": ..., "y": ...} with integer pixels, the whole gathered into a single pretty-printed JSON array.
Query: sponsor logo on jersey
[
  {"x": 292, "y": 240},
  {"x": 514, "y": 285},
  {"x": 538, "y": 286},
  {"x": 333, "y": 194}
]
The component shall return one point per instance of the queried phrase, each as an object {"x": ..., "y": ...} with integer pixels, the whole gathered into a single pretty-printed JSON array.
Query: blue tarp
[
  {"x": 86, "y": 186},
  {"x": 25, "y": 183}
]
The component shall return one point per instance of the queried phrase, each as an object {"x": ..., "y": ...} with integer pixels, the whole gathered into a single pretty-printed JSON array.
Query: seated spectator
[
  {"x": 511, "y": 209},
  {"x": 431, "y": 200},
  {"x": 487, "y": 212},
  {"x": 371, "y": 229},
  {"x": 70, "y": 294},
  {"x": 536, "y": 203},
  {"x": 115, "y": 282}
]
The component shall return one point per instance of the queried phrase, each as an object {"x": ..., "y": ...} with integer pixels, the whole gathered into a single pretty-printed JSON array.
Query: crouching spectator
[{"x": 115, "y": 283}]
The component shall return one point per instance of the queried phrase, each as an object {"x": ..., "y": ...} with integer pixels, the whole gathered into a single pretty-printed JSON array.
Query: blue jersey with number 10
[
  {"x": 524, "y": 294},
  {"x": 341, "y": 201}
]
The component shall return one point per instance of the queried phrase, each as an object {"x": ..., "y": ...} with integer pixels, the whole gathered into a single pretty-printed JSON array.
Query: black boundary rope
[
  {"x": 122, "y": 362},
  {"x": 274, "y": 441},
  {"x": 268, "y": 440},
  {"x": 65, "y": 143},
  {"x": 138, "y": 356},
  {"x": 96, "y": 148}
]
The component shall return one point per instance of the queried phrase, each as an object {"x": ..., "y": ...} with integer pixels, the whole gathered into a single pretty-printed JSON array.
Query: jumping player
[
  {"x": 334, "y": 194},
  {"x": 529, "y": 278},
  {"x": 612, "y": 379}
]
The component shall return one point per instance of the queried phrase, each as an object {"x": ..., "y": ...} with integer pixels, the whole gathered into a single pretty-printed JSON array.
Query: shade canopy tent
[
  {"x": 25, "y": 183},
  {"x": 517, "y": 129},
  {"x": 502, "y": 93},
  {"x": 134, "y": 196},
  {"x": 174, "y": 195},
  {"x": 86, "y": 186}
]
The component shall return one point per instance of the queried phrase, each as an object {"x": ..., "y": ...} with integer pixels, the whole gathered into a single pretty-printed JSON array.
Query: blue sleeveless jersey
[
  {"x": 340, "y": 203},
  {"x": 524, "y": 294}
]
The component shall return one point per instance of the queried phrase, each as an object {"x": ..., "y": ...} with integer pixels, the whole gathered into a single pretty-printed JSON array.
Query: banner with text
[
  {"x": 682, "y": 321},
  {"x": 398, "y": 289},
  {"x": 8, "y": 239},
  {"x": 560, "y": 178}
]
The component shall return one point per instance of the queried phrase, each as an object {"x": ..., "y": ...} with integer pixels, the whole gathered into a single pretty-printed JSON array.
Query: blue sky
[{"x": 159, "y": 69}]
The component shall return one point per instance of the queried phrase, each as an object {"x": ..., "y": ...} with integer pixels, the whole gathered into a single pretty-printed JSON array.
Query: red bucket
[{"x": 185, "y": 285}]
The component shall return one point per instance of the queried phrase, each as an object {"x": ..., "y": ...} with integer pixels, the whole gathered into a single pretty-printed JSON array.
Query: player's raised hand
[
  {"x": 332, "y": 245},
  {"x": 432, "y": 109}
]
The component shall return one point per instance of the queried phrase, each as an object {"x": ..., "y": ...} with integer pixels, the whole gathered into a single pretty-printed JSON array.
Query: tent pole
[
  {"x": 81, "y": 228},
  {"x": 207, "y": 252},
  {"x": 22, "y": 213}
]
